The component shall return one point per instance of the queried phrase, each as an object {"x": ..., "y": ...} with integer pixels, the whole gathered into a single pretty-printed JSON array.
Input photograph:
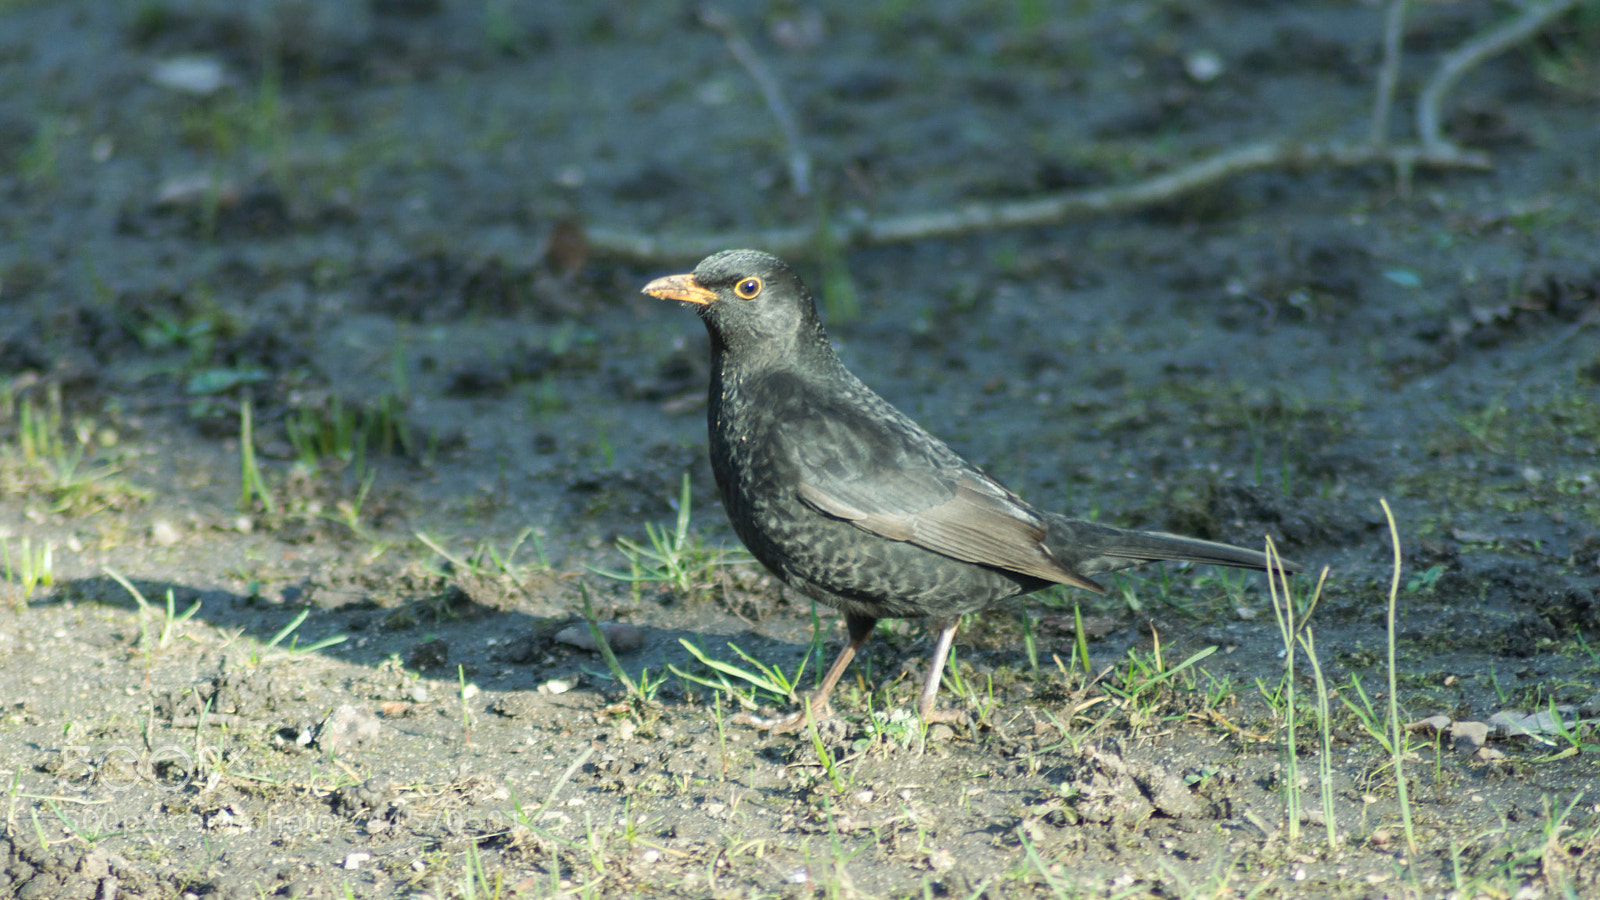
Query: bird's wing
[{"x": 888, "y": 477}]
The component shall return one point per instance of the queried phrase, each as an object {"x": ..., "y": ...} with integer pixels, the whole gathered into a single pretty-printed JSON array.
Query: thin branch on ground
[
  {"x": 1433, "y": 152},
  {"x": 799, "y": 162},
  {"x": 1047, "y": 210},
  {"x": 1463, "y": 59},
  {"x": 1394, "y": 23}
]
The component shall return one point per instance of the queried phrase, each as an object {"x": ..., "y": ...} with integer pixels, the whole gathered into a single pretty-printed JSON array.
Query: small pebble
[
  {"x": 349, "y": 726},
  {"x": 1203, "y": 66},
  {"x": 556, "y": 686},
  {"x": 1430, "y": 725},
  {"x": 164, "y": 533},
  {"x": 622, "y": 637},
  {"x": 1467, "y": 737},
  {"x": 197, "y": 75}
]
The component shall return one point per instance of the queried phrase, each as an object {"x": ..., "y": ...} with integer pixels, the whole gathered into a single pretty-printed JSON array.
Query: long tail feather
[{"x": 1091, "y": 548}]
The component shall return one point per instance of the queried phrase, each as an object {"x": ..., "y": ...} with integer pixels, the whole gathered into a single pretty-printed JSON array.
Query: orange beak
[{"x": 680, "y": 287}]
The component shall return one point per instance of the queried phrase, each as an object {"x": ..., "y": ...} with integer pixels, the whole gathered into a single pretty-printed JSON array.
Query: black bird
[{"x": 847, "y": 500}]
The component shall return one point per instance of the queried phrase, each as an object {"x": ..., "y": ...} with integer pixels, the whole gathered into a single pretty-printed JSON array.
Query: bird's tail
[{"x": 1091, "y": 548}]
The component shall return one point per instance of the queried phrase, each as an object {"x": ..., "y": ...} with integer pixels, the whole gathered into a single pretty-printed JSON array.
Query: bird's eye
[{"x": 748, "y": 288}]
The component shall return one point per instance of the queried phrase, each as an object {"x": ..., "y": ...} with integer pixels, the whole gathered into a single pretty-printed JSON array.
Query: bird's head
[{"x": 753, "y": 304}]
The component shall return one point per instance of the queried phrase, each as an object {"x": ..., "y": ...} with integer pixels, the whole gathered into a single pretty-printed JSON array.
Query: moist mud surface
[{"x": 326, "y": 409}]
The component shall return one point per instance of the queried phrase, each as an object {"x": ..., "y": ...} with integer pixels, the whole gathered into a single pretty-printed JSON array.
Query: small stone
[
  {"x": 622, "y": 637},
  {"x": 193, "y": 189},
  {"x": 1517, "y": 723},
  {"x": 557, "y": 686},
  {"x": 228, "y": 819},
  {"x": 1467, "y": 737},
  {"x": 1430, "y": 725},
  {"x": 197, "y": 75},
  {"x": 95, "y": 865},
  {"x": 940, "y": 732},
  {"x": 1508, "y": 722},
  {"x": 1203, "y": 66},
  {"x": 355, "y": 800},
  {"x": 347, "y": 727},
  {"x": 419, "y": 693},
  {"x": 164, "y": 533}
]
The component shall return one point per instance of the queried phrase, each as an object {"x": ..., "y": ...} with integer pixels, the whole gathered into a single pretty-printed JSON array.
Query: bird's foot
[{"x": 810, "y": 711}]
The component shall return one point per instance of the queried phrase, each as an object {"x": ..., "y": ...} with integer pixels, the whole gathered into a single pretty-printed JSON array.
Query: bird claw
[
  {"x": 815, "y": 710},
  {"x": 809, "y": 712}
]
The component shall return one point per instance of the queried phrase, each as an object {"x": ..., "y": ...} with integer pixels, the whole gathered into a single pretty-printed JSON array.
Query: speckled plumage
[{"x": 848, "y": 500}]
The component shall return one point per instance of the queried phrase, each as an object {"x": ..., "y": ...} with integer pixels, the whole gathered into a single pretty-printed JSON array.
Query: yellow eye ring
[{"x": 747, "y": 288}]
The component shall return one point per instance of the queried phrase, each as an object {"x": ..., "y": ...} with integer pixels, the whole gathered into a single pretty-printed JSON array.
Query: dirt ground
[{"x": 320, "y": 419}]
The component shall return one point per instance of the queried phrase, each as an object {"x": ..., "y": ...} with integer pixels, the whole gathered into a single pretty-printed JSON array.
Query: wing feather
[{"x": 909, "y": 487}]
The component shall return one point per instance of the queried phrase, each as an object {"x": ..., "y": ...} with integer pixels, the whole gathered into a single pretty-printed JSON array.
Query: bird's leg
[
  {"x": 860, "y": 629},
  {"x": 930, "y": 687}
]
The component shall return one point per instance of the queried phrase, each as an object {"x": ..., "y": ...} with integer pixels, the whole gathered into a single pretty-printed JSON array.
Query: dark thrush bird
[{"x": 847, "y": 500}]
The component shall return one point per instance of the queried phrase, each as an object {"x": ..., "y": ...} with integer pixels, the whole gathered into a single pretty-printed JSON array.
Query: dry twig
[
  {"x": 1466, "y": 57},
  {"x": 1433, "y": 151},
  {"x": 1047, "y": 210},
  {"x": 1389, "y": 75}
]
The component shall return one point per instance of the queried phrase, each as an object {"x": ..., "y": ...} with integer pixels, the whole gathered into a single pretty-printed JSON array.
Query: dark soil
[{"x": 369, "y": 238}]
